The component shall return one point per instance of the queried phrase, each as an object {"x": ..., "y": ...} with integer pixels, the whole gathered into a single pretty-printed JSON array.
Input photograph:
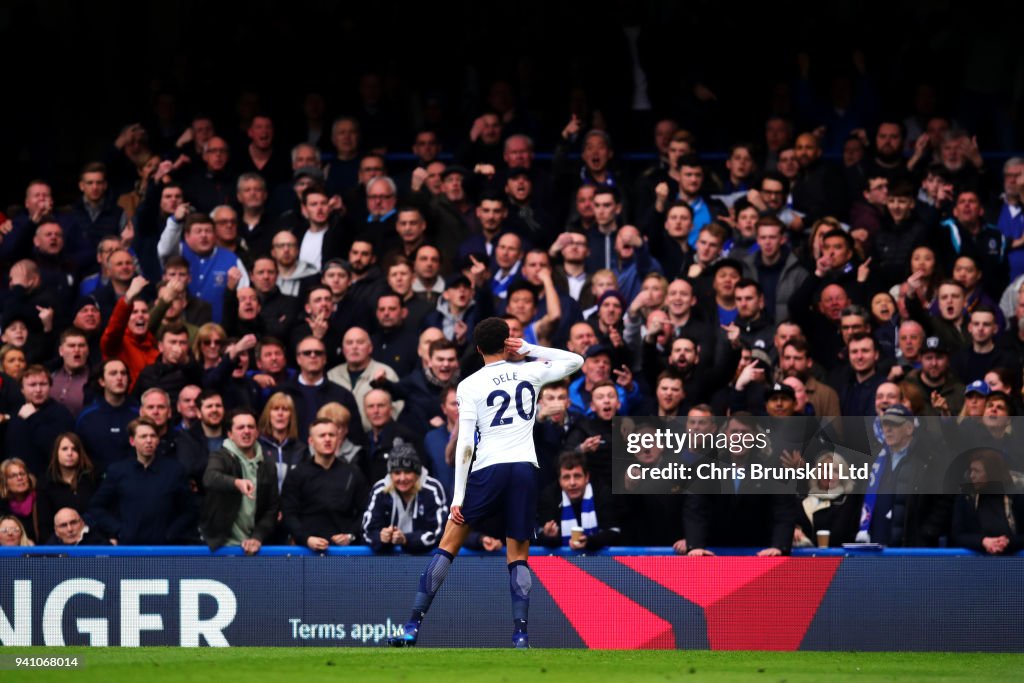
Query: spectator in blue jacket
[
  {"x": 597, "y": 367},
  {"x": 103, "y": 424},
  {"x": 209, "y": 265}
]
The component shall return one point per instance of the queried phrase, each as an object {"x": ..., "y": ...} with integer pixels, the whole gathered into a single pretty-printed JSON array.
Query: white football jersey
[{"x": 502, "y": 399}]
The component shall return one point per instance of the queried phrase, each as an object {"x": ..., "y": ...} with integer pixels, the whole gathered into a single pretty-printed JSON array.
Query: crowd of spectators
[{"x": 243, "y": 343}]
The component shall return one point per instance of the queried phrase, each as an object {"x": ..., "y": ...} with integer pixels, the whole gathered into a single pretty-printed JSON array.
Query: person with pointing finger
[{"x": 240, "y": 507}]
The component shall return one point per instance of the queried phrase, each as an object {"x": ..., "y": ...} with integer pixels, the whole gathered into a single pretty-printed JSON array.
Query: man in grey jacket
[{"x": 775, "y": 267}]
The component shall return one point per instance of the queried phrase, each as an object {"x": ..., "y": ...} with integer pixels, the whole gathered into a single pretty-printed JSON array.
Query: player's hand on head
[{"x": 512, "y": 346}]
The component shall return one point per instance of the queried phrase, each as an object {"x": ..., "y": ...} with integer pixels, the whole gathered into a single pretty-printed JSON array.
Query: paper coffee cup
[
  {"x": 577, "y": 533},
  {"x": 823, "y": 538}
]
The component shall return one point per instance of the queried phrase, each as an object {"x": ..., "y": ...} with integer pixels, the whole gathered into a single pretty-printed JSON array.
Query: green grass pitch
[{"x": 256, "y": 665}]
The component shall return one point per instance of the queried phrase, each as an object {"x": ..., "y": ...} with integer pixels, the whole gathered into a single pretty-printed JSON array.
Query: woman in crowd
[
  {"x": 407, "y": 509},
  {"x": 69, "y": 481},
  {"x": 18, "y": 495},
  {"x": 279, "y": 433},
  {"x": 12, "y": 532},
  {"x": 988, "y": 515},
  {"x": 12, "y": 362},
  {"x": 208, "y": 348}
]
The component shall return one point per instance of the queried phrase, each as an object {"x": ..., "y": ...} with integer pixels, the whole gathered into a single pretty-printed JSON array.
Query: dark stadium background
[{"x": 76, "y": 72}]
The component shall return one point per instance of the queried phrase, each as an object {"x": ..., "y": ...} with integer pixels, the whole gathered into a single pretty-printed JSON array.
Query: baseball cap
[
  {"x": 454, "y": 168},
  {"x": 597, "y": 350},
  {"x": 977, "y": 387},
  {"x": 897, "y": 414},
  {"x": 935, "y": 345},
  {"x": 761, "y": 356},
  {"x": 780, "y": 388},
  {"x": 457, "y": 280},
  {"x": 517, "y": 172}
]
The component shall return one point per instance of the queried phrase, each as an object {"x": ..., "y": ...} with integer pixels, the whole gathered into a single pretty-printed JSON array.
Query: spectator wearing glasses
[
  {"x": 381, "y": 214},
  {"x": 18, "y": 498},
  {"x": 225, "y": 229},
  {"x": 70, "y": 529},
  {"x": 12, "y": 532},
  {"x": 311, "y": 390}
]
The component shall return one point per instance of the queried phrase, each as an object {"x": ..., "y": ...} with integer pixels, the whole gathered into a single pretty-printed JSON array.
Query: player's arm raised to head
[
  {"x": 558, "y": 363},
  {"x": 464, "y": 444}
]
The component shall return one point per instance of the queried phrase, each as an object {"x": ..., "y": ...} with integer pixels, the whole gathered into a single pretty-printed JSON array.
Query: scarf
[
  {"x": 587, "y": 512},
  {"x": 23, "y": 508},
  {"x": 878, "y": 469}
]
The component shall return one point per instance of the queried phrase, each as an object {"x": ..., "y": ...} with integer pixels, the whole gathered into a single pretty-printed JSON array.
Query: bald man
[{"x": 359, "y": 369}]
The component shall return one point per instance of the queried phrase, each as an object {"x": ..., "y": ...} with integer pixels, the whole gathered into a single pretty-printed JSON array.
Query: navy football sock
[
  {"x": 430, "y": 581},
  {"x": 519, "y": 582}
]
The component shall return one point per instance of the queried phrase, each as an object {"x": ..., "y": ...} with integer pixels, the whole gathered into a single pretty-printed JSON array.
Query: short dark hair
[
  {"x": 269, "y": 341},
  {"x": 171, "y": 328},
  {"x": 36, "y": 369},
  {"x": 178, "y": 261},
  {"x": 861, "y": 336},
  {"x": 520, "y": 286},
  {"x": 777, "y": 177},
  {"x": 691, "y": 161},
  {"x": 206, "y": 395},
  {"x": 73, "y": 332},
  {"x": 982, "y": 308},
  {"x": 197, "y": 219},
  {"x": 239, "y": 412},
  {"x": 322, "y": 421},
  {"x": 315, "y": 189},
  {"x": 668, "y": 374},
  {"x": 771, "y": 221},
  {"x": 748, "y": 282},
  {"x": 490, "y": 334},
  {"x": 902, "y": 188},
  {"x": 94, "y": 167},
  {"x": 606, "y": 189},
  {"x": 441, "y": 345},
  {"x": 570, "y": 460},
  {"x": 841, "y": 234}
]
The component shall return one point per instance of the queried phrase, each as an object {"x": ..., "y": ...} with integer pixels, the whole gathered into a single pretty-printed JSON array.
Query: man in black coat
[{"x": 819, "y": 189}]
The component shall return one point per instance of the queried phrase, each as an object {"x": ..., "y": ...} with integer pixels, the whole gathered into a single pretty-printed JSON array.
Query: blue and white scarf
[
  {"x": 587, "y": 513},
  {"x": 878, "y": 470}
]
